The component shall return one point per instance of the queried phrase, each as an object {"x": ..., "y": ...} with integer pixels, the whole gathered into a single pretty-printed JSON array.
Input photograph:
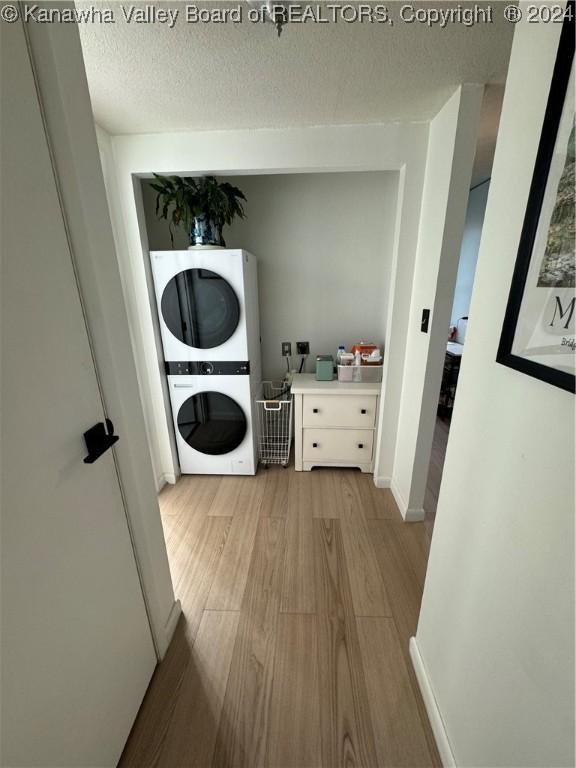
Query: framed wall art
[{"x": 538, "y": 334}]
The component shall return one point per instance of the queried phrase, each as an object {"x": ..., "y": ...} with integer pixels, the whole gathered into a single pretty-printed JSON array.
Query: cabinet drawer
[
  {"x": 339, "y": 411},
  {"x": 343, "y": 445}
]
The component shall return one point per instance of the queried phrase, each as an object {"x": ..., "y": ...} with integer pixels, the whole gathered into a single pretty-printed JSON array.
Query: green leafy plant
[{"x": 181, "y": 199}]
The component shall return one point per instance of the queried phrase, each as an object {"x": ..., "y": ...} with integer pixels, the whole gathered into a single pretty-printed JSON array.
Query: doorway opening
[
  {"x": 456, "y": 337},
  {"x": 324, "y": 212},
  {"x": 250, "y": 554}
]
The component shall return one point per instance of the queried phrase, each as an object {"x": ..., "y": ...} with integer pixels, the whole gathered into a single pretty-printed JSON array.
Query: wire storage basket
[{"x": 274, "y": 423}]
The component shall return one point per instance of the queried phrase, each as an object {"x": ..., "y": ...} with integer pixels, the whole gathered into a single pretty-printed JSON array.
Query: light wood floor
[{"x": 299, "y": 591}]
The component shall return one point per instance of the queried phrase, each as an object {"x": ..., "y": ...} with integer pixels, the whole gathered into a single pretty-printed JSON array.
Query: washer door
[
  {"x": 200, "y": 308},
  {"x": 212, "y": 423}
]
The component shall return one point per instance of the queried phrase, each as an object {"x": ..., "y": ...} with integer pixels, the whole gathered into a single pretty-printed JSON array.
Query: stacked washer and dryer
[{"x": 209, "y": 321}]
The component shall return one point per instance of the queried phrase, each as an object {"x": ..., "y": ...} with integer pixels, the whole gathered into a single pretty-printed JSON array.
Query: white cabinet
[
  {"x": 357, "y": 411},
  {"x": 352, "y": 446},
  {"x": 335, "y": 423}
]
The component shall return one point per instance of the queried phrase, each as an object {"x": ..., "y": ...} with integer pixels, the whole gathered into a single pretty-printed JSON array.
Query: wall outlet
[
  {"x": 286, "y": 348},
  {"x": 303, "y": 347}
]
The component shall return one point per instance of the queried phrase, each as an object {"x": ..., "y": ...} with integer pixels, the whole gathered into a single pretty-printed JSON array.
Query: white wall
[
  {"x": 147, "y": 399},
  {"x": 496, "y": 629},
  {"x": 469, "y": 251},
  {"x": 324, "y": 247},
  {"x": 452, "y": 145},
  {"x": 391, "y": 147}
]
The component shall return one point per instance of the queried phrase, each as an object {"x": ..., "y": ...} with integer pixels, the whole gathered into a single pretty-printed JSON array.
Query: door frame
[{"x": 58, "y": 65}]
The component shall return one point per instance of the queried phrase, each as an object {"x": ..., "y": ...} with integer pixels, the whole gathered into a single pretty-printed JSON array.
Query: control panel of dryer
[{"x": 207, "y": 368}]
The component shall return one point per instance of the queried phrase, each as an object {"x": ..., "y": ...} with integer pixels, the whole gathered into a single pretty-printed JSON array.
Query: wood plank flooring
[{"x": 300, "y": 592}]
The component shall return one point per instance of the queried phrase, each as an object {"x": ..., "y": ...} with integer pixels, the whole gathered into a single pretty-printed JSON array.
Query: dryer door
[
  {"x": 200, "y": 308},
  {"x": 212, "y": 423}
]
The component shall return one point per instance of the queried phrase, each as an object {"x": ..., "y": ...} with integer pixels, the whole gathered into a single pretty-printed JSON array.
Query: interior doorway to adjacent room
[
  {"x": 455, "y": 343},
  {"x": 456, "y": 333}
]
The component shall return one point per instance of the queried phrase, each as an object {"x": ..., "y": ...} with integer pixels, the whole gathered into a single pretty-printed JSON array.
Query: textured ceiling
[{"x": 148, "y": 78}]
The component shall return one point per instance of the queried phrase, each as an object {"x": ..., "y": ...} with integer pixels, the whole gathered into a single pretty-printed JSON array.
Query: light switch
[{"x": 425, "y": 320}]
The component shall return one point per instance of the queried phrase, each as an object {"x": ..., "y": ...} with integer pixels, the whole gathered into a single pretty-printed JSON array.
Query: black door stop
[{"x": 98, "y": 439}]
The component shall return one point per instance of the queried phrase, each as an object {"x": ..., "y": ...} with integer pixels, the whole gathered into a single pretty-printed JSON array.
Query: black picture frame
[{"x": 553, "y": 114}]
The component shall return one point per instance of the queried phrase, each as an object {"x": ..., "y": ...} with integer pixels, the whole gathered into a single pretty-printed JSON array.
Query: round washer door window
[
  {"x": 212, "y": 423},
  {"x": 200, "y": 308}
]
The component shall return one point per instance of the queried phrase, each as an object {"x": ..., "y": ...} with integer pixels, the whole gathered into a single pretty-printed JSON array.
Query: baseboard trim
[
  {"x": 414, "y": 515},
  {"x": 434, "y": 715},
  {"x": 166, "y": 478},
  {"x": 169, "y": 629},
  {"x": 382, "y": 482},
  {"x": 409, "y": 515}
]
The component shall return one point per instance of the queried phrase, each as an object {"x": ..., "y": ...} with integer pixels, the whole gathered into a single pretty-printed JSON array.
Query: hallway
[{"x": 299, "y": 593}]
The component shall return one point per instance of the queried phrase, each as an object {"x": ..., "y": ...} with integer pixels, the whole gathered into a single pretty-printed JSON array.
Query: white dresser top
[{"x": 306, "y": 384}]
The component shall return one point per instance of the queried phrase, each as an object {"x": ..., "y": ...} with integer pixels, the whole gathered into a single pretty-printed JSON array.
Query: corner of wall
[
  {"x": 449, "y": 163},
  {"x": 409, "y": 514},
  {"x": 126, "y": 214},
  {"x": 409, "y": 203}
]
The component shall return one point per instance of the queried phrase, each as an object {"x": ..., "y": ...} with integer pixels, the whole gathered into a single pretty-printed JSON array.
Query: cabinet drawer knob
[
  {"x": 360, "y": 445},
  {"x": 363, "y": 410},
  {"x": 314, "y": 410},
  {"x": 314, "y": 445}
]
